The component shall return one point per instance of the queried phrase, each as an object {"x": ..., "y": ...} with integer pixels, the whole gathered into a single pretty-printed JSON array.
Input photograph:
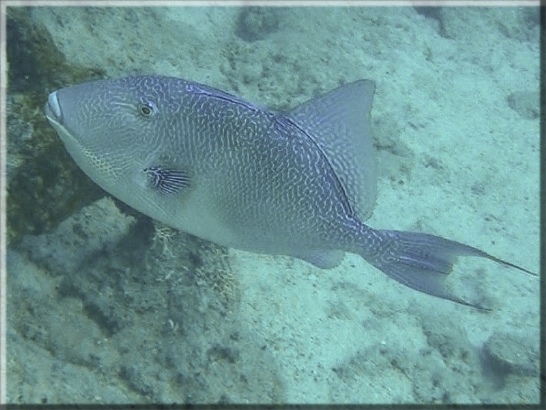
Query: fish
[{"x": 299, "y": 183}]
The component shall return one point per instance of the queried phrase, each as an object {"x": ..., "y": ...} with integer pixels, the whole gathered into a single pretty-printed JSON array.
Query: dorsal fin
[{"x": 340, "y": 123}]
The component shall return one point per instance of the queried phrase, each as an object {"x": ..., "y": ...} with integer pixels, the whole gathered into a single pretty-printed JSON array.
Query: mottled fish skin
[{"x": 206, "y": 162}]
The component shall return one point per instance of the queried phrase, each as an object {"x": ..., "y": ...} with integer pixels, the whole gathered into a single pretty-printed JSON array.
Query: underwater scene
[{"x": 220, "y": 218}]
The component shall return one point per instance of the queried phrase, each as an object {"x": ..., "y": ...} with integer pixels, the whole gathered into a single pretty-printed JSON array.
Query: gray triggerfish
[{"x": 299, "y": 183}]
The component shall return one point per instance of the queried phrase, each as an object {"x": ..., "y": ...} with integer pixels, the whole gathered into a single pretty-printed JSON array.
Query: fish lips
[
  {"x": 54, "y": 115},
  {"x": 53, "y": 110}
]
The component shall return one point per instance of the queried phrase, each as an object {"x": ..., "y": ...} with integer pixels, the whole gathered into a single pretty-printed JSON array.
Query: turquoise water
[{"x": 103, "y": 308}]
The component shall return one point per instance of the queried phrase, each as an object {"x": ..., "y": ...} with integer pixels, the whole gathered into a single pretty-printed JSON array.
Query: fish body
[{"x": 299, "y": 183}]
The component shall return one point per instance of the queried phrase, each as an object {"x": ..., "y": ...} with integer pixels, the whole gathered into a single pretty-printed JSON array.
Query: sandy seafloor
[{"x": 456, "y": 130}]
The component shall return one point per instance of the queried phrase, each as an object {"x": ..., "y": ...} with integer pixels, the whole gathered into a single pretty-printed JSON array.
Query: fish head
[{"x": 114, "y": 129}]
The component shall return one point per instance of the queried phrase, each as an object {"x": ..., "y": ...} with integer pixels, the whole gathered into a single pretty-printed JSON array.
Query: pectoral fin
[{"x": 167, "y": 181}]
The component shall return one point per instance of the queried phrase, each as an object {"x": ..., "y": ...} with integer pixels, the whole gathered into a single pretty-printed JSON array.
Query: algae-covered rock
[{"x": 44, "y": 185}]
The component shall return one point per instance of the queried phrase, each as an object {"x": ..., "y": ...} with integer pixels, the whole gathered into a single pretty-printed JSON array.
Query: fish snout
[{"x": 53, "y": 108}]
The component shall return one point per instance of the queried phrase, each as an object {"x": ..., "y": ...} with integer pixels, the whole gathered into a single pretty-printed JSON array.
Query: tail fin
[{"x": 422, "y": 261}]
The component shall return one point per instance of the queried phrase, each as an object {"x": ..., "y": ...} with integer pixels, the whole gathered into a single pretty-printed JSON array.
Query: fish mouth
[
  {"x": 53, "y": 109},
  {"x": 54, "y": 115}
]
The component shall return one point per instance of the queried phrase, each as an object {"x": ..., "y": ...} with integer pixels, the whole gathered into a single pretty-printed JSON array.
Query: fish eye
[{"x": 147, "y": 109}]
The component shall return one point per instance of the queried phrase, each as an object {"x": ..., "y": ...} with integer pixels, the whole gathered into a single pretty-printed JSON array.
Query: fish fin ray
[
  {"x": 340, "y": 123},
  {"x": 422, "y": 261},
  {"x": 322, "y": 259},
  {"x": 167, "y": 181}
]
